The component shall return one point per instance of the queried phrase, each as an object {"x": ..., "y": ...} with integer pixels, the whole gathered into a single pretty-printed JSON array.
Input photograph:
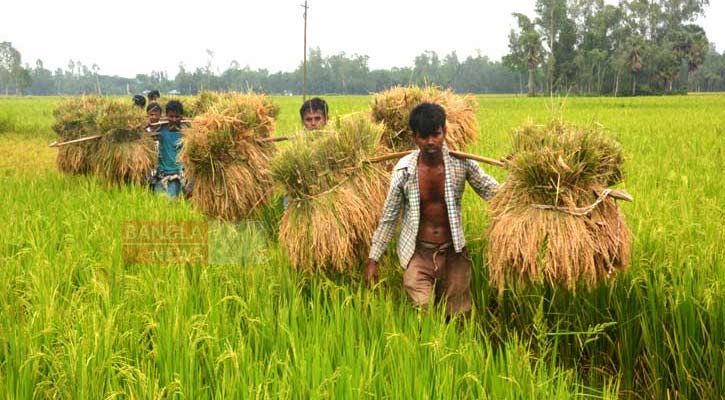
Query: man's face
[
  {"x": 174, "y": 119},
  {"x": 154, "y": 116},
  {"x": 431, "y": 143},
  {"x": 314, "y": 120}
]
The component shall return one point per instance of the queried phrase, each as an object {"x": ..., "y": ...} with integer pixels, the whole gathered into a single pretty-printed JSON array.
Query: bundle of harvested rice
[
  {"x": 252, "y": 111},
  {"x": 124, "y": 154},
  {"x": 335, "y": 199},
  {"x": 553, "y": 221},
  {"x": 393, "y": 108},
  {"x": 200, "y": 103},
  {"x": 224, "y": 159},
  {"x": 75, "y": 118}
]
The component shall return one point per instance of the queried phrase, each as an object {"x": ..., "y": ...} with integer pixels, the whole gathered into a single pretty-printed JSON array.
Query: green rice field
[{"x": 76, "y": 322}]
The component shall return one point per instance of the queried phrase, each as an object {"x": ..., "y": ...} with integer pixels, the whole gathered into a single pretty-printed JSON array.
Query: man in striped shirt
[{"x": 427, "y": 186}]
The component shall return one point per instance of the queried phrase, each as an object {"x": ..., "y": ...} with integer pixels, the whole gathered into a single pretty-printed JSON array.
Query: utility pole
[
  {"x": 304, "y": 62},
  {"x": 552, "y": 60}
]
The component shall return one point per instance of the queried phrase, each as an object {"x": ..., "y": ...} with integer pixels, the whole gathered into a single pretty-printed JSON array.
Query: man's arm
[
  {"x": 389, "y": 218},
  {"x": 485, "y": 185},
  {"x": 386, "y": 227}
]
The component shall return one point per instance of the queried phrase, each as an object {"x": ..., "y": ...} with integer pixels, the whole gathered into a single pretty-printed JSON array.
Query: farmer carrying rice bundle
[
  {"x": 103, "y": 136},
  {"x": 427, "y": 186},
  {"x": 169, "y": 171},
  {"x": 334, "y": 196}
]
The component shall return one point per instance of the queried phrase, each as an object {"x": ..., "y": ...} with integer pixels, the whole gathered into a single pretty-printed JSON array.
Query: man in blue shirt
[{"x": 169, "y": 170}]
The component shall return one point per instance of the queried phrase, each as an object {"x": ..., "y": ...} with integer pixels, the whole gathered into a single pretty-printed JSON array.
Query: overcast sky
[{"x": 133, "y": 36}]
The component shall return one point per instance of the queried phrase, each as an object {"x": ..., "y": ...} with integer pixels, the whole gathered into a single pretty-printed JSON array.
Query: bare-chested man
[{"x": 427, "y": 185}]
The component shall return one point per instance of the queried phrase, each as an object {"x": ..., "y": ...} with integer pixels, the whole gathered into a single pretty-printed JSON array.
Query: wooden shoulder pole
[
  {"x": 386, "y": 157},
  {"x": 83, "y": 139},
  {"x": 486, "y": 160}
]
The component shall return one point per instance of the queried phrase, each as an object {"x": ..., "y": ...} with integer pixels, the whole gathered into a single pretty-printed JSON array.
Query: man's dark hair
[
  {"x": 139, "y": 101},
  {"x": 426, "y": 118},
  {"x": 153, "y": 95},
  {"x": 175, "y": 106},
  {"x": 153, "y": 106},
  {"x": 312, "y": 105}
]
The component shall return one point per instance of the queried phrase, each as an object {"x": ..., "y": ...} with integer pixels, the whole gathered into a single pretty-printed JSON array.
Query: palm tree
[
  {"x": 634, "y": 64},
  {"x": 697, "y": 51},
  {"x": 691, "y": 45},
  {"x": 530, "y": 42},
  {"x": 96, "y": 69}
]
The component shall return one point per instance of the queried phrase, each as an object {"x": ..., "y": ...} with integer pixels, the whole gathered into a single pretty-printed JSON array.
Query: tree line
[
  {"x": 634, "y": 47},
  {"x": 584, "y": 47},
  {"x": 338, "y": 74}
]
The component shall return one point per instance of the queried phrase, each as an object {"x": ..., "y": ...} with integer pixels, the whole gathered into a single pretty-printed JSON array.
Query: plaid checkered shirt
[{"x": 404, "y": 194}]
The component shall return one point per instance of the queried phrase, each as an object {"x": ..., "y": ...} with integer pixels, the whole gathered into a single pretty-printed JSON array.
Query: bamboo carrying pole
[
  {"x": 166, "y": 122},
  {"x": 83, "y": 139},
  {"x": 94, "y": 137},
  {"x": 458, "y": 154},
  {"x": 273, "y": 139},
  {"x": 88, "y": 138},
  {"x": 618, "y": 194},
  {"x": 393, "y": 156}
]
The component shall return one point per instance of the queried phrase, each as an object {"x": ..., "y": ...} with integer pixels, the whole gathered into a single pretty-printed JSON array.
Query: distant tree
[
  {"x": 677, "y": 12},
  {"x": 12, "y": 72},
  {"x": 42, "y": 80},
  {"x": 319, "y": 77},
  {"x": 426, "y": 67},
  {"x": 551, "y": 18},
  {"x": 692, "y": 48},
  {"x": 526, "y": 45},
  {"x": 348, "y": 73},
  {"x": 633, "y": 61},
  {"x": 23, "y": 80},
  {"x": 711, "y": 74},
  {"x": 95, "y": 68},
  {"x": 208, "y": 69},
  {"x": 516, "y": 60},
  {"x": 450, "y": 70},
  {"x": 564, "y": 68}
]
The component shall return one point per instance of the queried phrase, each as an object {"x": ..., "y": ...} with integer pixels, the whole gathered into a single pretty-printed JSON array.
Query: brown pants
[{"x": 439, "y": 270}]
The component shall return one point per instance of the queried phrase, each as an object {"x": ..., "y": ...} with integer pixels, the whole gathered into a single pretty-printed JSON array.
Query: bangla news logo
[{"x": 165, "y": 242}]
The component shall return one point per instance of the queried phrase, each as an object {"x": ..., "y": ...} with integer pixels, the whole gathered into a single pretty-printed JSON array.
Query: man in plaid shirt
[{"x": 427, "y": 185}]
